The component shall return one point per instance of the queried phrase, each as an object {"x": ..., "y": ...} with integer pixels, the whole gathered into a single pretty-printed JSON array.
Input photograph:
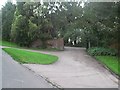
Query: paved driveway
[{"x": 75, "y": 69}]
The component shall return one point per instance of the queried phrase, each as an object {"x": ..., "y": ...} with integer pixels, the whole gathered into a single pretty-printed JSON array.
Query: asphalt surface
[
  {"x": 15, "y": 75},
  {"x": 75, "y": 69},
  {"x": 0, "y": 69}
]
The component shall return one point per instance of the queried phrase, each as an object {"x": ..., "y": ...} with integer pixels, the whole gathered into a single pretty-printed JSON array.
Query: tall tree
[{"x": 7, "y": 19}]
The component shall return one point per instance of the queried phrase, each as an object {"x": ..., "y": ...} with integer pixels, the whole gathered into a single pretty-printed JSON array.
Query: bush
[{"x": 98, "y": 51}]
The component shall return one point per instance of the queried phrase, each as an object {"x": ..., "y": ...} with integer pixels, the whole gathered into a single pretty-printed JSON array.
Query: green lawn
[
  {"x": 23, "y": 56},
  {"x": 9, "y": 44},
  {"x": 111, "y": 62}
]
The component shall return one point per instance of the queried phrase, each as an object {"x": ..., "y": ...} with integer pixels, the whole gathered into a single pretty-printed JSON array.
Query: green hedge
[{"x": 98, "y": 51}]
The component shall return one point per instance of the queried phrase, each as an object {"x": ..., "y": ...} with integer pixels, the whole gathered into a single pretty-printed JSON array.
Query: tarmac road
[{"x": 15, "y": 75}]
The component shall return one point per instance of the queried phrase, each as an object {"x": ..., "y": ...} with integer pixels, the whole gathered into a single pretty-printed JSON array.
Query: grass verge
[
  {"x": 9, "y": 44},
  {"x": 111, "y": 62},
  {"x": 23, "y": 56}
]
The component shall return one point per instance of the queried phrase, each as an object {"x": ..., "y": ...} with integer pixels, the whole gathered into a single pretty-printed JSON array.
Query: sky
[{"x": 2, "y": 2}]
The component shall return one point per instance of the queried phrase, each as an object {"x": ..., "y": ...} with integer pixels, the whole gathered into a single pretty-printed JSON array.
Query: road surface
[
  {"x": 0, "y": 69},
  {"x": 75, "y": 69},
  {"x": 15, "y": 75}
]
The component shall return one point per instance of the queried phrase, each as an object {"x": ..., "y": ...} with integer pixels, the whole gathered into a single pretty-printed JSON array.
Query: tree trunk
[{"x": 88, "y": 44}]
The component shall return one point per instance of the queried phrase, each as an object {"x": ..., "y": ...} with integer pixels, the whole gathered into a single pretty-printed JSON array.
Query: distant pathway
[
  {"x": 75, "y": 69},
  {"x": 16, "y": 76}
]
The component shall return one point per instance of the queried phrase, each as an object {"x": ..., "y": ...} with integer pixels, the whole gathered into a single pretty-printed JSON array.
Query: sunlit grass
[
  {"x": 23, "y": 56},
  {"x": 111, "y": 62}
]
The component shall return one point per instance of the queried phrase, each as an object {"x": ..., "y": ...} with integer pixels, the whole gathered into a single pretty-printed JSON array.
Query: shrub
[{"x": 98, "y": 51}]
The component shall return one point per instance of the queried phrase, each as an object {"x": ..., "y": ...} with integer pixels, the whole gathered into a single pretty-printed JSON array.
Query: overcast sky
[{"x": 2, "y": 2}]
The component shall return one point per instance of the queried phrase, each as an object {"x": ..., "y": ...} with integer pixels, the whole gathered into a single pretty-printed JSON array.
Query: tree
[
  {"x": 20, "y": 26},
  {"x": 95, "y": 24},
  {"x": 7, "y": 19}
]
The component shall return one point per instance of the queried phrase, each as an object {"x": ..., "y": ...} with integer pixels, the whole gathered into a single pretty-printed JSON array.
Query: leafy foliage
[
  {"x": 7, "y": 19},
  {"x": 99, "y": 51},
  {"x": 95, "y": 23}
]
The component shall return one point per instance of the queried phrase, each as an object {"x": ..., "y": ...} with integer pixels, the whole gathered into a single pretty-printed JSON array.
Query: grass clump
[{"x": 23, "y": 56}]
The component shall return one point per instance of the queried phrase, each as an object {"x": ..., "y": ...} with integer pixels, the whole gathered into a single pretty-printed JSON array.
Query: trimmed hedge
[{"x": 98, "y": 51}]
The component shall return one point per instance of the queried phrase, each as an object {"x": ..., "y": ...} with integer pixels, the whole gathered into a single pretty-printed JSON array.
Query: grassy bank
[
  {"x": 111, "y": 62},
  {"x": 9, "y": 44},
  {"x": 23, "y": 56},
  {"x": 107, "y": 57}
]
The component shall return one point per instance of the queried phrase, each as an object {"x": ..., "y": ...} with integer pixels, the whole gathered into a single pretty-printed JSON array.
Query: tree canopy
[{"x": 95, "y": 24}]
